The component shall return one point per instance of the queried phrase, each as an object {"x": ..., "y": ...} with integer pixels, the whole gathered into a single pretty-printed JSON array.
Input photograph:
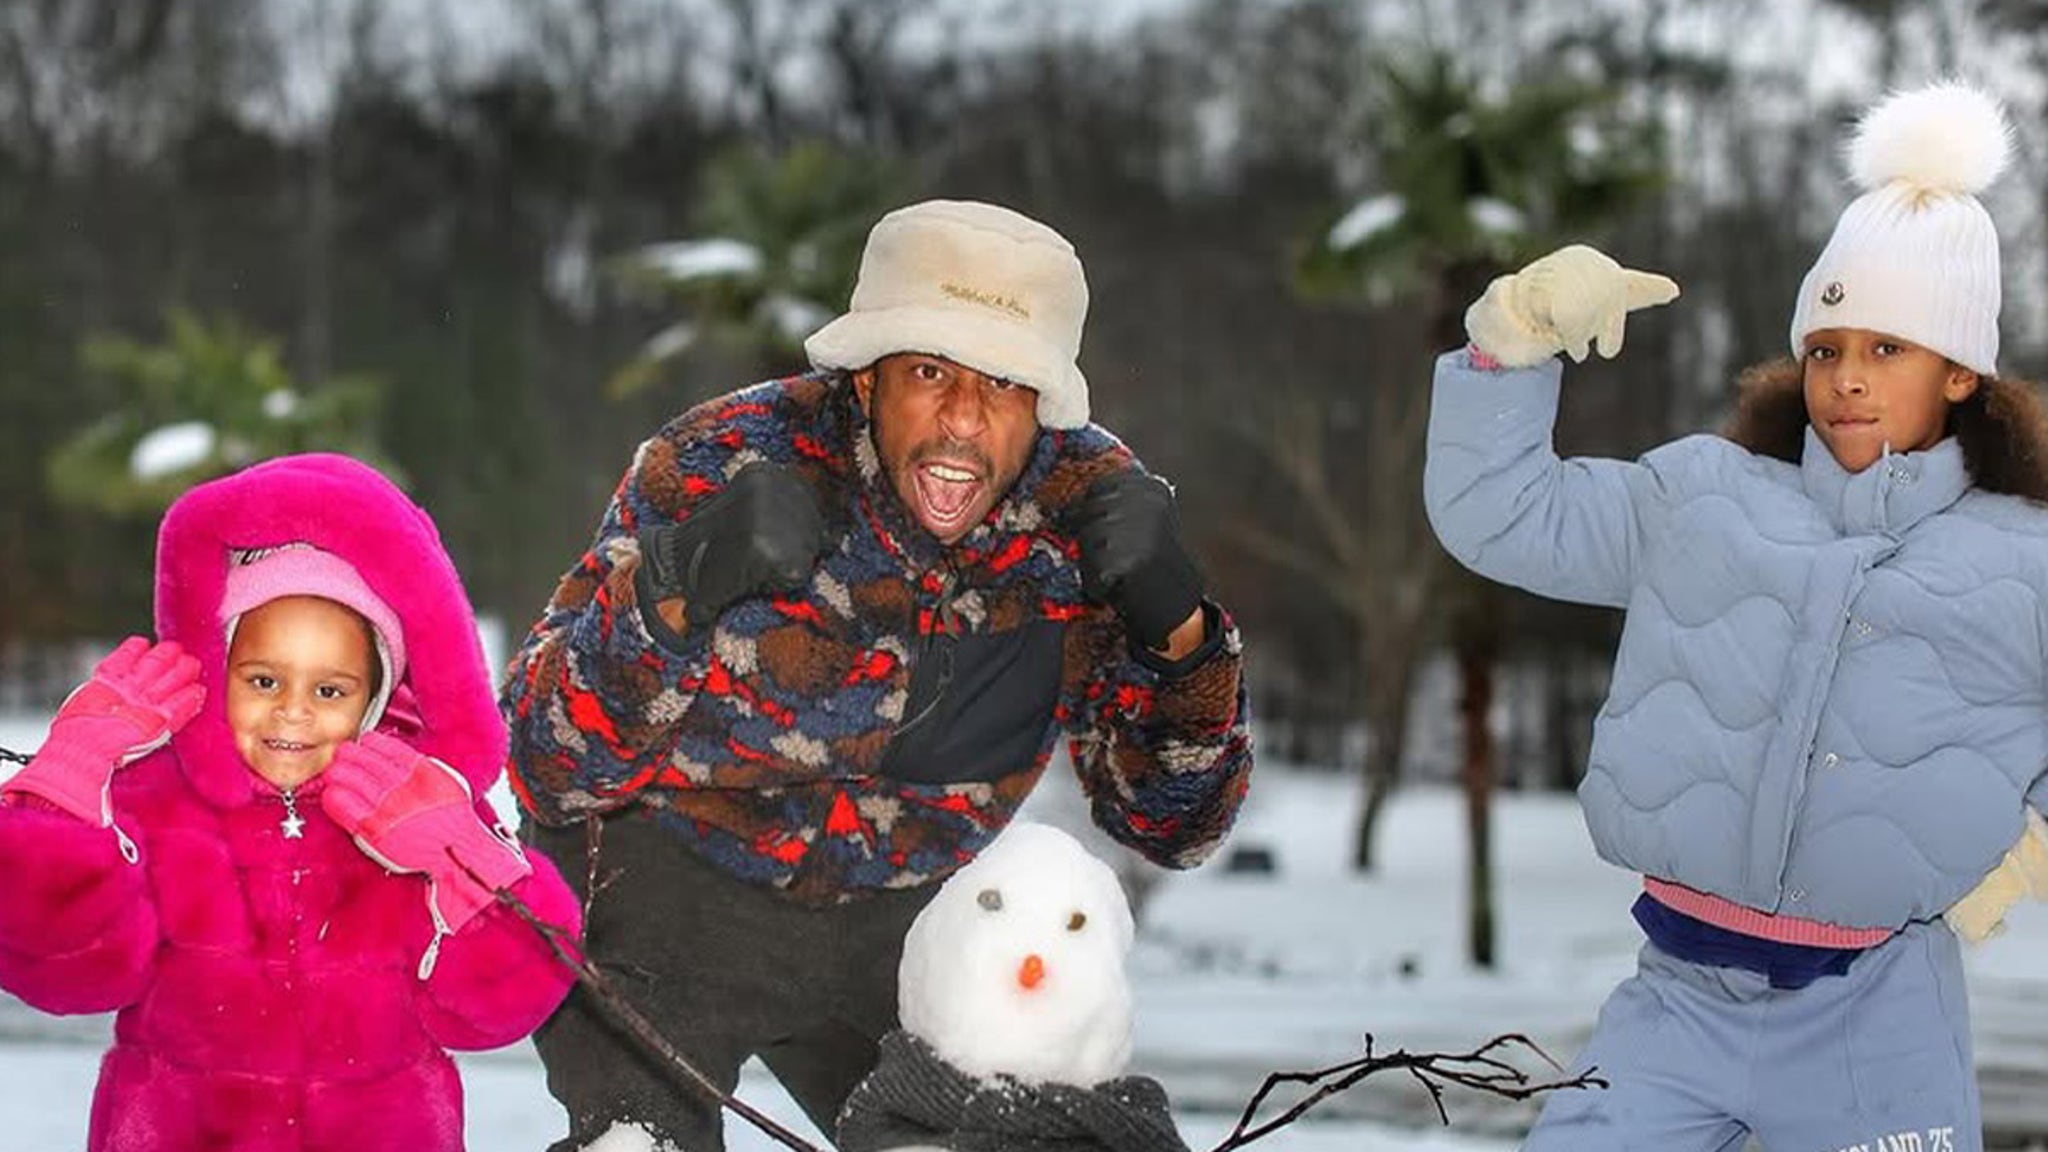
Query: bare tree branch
[
  {"x": 1481, "y": 1070},
  {"x": 1292, "y": 443},
  {"x": 569, "y": 951},
  {"x": 1284, "y": 552}
]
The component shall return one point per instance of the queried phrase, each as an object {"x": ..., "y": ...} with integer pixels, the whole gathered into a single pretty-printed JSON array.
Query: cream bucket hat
[{"x": 977, "y": 284}]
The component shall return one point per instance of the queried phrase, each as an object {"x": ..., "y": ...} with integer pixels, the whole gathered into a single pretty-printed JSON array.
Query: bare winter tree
[{"x": 1466, "y": 184}]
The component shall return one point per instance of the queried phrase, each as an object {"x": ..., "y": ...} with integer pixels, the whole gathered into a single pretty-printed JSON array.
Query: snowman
[{"x": 1016, "y": 1015}]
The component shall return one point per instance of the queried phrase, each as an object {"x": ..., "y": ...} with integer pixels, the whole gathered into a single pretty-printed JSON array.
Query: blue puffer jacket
[{"x": 1829, "y": 698}]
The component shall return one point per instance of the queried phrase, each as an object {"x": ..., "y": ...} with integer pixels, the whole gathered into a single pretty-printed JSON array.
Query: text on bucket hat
[{"x": 978, "y": 284}]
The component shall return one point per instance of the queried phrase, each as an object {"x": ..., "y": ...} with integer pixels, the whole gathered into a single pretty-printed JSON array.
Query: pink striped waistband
[{"x": 1750, "y": 922}]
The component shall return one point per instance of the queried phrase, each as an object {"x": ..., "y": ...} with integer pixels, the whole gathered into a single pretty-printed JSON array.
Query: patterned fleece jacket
[
  {"x": 764, "y": 741},
  {"x": 269, "y": 989}
]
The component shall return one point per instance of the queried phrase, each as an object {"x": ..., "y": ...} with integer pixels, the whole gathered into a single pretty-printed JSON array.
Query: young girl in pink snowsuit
[{"x": 262, "y": 839}]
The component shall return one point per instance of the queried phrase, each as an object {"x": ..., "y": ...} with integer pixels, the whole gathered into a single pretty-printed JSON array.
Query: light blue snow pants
[{"x": 1874, "y": 1060}]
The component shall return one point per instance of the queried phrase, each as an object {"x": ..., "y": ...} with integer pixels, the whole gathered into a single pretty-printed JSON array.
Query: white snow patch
[
  {"x": 1496, "y": 217},
  {"x": 1239, "y": 974},
  {"x": 280, "y": 403},
  {"x": 569, "y": 268},
  {"x": 171, "y": 449},
  {"x": 1366, "y": 219},
  {"x": 793, "y": 317},
  {"x": 628, "y": 1138},
  {"x": 23, "y": 734},
  {"x": 669, "y": 341},
  {"x": 1585, "y": 141},
  {"x": 695, "y": 259}
]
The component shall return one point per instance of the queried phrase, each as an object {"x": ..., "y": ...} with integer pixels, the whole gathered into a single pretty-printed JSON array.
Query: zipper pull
[
  {"x": 294, "y": 827},
  {"x": 128, "y": 850}
]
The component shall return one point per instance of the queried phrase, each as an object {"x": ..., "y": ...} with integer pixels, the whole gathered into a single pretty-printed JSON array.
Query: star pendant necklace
[{"x": 294, "y": 826}]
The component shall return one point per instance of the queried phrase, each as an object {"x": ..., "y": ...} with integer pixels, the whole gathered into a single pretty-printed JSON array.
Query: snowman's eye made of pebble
[
  {"x": 991, "y": 899},
  {"x": 1077, "y": 921}
]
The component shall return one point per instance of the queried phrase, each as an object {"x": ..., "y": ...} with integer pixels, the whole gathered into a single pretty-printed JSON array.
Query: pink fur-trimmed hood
[{"x": 443, "y": 705}]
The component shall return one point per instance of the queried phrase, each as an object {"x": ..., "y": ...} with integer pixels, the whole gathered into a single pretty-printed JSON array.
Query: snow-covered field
[{"x": 1240, "y": 973}]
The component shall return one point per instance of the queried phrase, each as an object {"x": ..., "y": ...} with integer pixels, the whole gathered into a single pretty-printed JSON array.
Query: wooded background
[{"x": 493, "y": 245}]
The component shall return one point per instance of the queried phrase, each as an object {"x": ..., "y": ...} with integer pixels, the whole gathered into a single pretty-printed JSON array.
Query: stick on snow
[
  {"x": 563, "y": 945},
  {"x": 1481, "y": 1070}
]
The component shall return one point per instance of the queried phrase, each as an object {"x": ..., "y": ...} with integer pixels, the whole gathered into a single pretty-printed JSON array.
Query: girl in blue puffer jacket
[{"x": 1828, "y": 720}]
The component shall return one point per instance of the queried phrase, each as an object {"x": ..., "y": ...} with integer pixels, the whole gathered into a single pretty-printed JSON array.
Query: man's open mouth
[{"x": 946, "y": 494}]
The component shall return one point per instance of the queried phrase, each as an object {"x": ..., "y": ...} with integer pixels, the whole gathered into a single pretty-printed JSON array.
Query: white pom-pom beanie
[{"x": 1916, "y": 256}]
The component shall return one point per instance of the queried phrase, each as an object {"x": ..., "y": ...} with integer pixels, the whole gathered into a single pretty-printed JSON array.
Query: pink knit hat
[{"x": 256, "y": 576}]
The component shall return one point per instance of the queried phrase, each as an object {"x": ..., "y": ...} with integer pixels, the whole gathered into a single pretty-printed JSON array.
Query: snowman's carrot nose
[{"x": 1032, "y": 972}]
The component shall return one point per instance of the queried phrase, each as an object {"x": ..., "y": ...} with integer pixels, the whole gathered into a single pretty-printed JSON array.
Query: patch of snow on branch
[
  {"x": 171, "y": 449},
  {"x": 1366, "y": 219}
]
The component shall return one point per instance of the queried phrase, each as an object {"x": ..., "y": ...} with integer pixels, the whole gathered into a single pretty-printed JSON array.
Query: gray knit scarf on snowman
[{"x": 914, "y": 1097}]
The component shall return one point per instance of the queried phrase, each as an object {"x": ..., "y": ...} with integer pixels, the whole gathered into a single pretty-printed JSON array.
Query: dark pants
[{"x": 726, "y": 970}]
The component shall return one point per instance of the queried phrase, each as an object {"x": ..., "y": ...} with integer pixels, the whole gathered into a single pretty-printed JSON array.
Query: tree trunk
[
  {"x": 1387, "y": 661},
  {"x": 1477, "y": 627},
  {"x": 1380, "y": 775},
  {"x": 1561, "y": 695},
  {"x": 1476, "y": 665}
]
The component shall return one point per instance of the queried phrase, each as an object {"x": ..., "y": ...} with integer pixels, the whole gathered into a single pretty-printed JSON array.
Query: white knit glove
[
  {"x": 1574, "y": 298},
  {"x": 2024, "y": 872}
]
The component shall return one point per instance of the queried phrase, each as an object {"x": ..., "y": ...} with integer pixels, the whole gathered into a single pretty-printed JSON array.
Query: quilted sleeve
[
  {"x": 495, "y": 981},
  {"x": 593, "y": 696},
  {"x": 78, "y": 930},
  {"x": 1507, "y": 507},
  {"x": 1163, "y": 751}
]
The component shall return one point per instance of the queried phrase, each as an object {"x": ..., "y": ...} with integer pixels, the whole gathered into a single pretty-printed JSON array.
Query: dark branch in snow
[
  {"x": 568, "y": 950},
  {"x": 10, "y": 756},
  {"x": 1482, "y": 1070}
]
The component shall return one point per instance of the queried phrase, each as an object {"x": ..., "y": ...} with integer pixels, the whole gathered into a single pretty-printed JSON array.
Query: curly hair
[{"x": 2002, "y": 426}]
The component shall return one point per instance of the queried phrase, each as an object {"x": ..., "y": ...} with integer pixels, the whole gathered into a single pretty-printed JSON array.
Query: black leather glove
[
  {"x": 761, "y": 533},
  {"x": 1132, "y": 559}
]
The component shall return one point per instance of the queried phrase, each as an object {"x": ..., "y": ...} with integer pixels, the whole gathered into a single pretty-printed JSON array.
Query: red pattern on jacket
[{"x": 762, "y": 741}]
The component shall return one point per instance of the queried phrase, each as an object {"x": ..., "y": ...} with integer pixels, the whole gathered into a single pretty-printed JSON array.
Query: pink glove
[
  {"x": 412, "y": 813},
  {"x": 137, "y": 697}
]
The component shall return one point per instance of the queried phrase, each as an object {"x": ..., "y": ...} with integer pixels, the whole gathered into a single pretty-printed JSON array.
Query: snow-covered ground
[{"x": 1240, "y": 973}]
